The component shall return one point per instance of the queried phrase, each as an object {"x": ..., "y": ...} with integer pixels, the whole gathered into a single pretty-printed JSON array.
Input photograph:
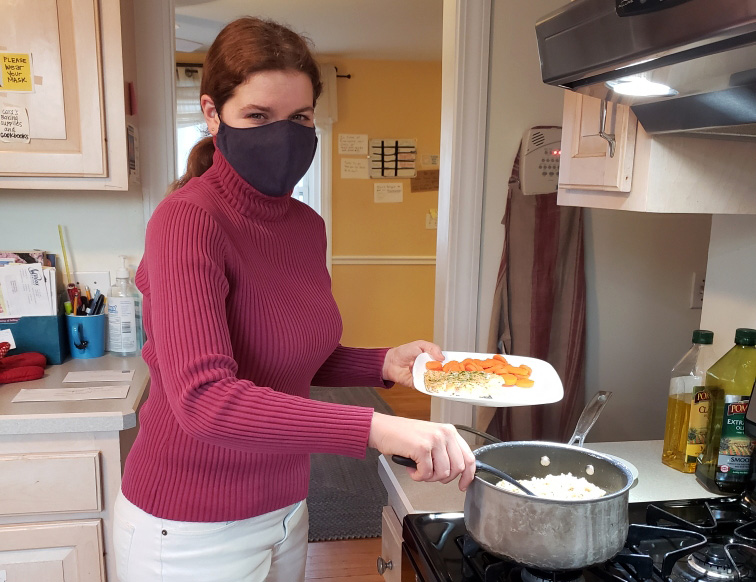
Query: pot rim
[{"x": 551, "y": 445}]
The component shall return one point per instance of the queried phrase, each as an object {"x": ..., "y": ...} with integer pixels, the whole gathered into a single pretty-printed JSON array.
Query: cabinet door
[
  {"x": 391, "y": 545},
  {"x": 586, "y": 162},
  {"x": 69, "y": 551},
  {"x": 63, "y": 100}
]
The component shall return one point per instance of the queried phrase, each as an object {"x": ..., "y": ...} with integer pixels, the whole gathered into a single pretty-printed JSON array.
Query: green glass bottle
[{"x": 723, "y": 464}]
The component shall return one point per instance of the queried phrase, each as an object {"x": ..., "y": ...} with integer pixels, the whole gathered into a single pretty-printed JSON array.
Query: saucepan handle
[
  {"x": 480, "y": 433},
  {"x": 404, "y": 461}
]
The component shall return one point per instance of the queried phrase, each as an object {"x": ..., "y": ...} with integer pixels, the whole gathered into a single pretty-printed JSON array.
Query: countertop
[
  {"x": 113, "y": 414},
  {"x": 655, "y": 482}
]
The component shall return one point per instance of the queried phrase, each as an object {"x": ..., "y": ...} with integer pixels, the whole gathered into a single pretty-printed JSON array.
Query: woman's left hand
[{"x": 397, "y": 367}]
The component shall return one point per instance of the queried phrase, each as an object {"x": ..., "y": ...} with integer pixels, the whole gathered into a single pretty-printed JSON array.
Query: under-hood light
[{"x": 640, "y": 87}]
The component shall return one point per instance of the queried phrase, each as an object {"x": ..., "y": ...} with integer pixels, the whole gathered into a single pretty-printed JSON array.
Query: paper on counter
[
  {"x": 100, "y": 376},
  {"x": 26, "y": 290},
  {"x": 78, "y": 393}
]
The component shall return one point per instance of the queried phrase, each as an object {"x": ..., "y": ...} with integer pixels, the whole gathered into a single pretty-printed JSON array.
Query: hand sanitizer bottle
[{"x": 124, "y": 314}]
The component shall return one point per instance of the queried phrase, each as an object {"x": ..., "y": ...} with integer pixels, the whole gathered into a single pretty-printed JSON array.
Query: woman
[{"x": 240, "y": 322}]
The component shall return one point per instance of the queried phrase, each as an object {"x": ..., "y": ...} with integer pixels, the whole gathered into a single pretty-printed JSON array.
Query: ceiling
[{"x": 378, "y": 29}]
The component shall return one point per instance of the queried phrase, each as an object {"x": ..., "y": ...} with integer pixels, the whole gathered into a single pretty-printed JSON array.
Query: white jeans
[{"x": 270, "y": 547}]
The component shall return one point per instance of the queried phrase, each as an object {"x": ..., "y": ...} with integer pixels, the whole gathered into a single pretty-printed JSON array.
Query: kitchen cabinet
[
  {"x": 72, "y": 110},
  {"x": 390, "y": 560},
  {"x": 667, "y": 173},
  {"x": 54, "y": 552},
  {"x": 592, "y": 162},
  {"x": 60, "y": 472}
]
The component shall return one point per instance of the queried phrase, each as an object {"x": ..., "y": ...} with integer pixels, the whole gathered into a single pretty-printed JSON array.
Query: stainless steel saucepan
[{"x": 545, "y": 533}]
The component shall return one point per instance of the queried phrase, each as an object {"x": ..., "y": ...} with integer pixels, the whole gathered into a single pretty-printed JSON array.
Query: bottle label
[
  {"x": 122, "y": 333},
  {"x": 697, "y": 424},
  {"x": 735, "y": 447}
]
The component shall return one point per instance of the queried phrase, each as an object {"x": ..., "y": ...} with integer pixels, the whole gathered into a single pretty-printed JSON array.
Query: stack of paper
[{"x": 27, "y": 289}]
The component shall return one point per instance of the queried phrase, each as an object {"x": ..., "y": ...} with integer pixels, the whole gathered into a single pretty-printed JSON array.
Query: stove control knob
[{"x": 383, "y": 565}]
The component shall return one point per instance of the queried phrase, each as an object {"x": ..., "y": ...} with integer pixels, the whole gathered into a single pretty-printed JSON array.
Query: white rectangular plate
[{"x": 547, "y": 387}]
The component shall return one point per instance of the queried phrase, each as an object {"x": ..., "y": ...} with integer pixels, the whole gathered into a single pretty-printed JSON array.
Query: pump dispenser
[{"x": 124, "y": 314}]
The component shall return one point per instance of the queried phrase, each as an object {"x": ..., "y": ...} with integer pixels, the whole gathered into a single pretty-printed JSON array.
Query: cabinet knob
[{"x": 383, "y": 565}]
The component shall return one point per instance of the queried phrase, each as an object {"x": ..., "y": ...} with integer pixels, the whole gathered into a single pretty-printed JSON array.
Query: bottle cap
[
  {"x": 745, "y": 336},
  {"x": 703, "y": 336},
  {"x": 123, "y": 270}
]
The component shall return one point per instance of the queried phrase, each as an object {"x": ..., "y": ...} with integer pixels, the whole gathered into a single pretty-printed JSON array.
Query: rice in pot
[{"x": 564, "y": 486}]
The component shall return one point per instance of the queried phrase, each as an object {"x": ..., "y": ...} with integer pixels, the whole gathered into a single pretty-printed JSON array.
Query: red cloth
[
  {"x": 240, "y": 321},
  {"x": 20, "y": 367},
  {"x": 539, "y": 307}
]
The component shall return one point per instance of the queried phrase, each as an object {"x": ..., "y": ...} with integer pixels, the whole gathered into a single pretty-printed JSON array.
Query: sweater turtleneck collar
[{"x": 241, "y": 195}]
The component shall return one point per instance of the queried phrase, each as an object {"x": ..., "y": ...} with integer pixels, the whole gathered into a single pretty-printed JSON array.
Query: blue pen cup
[{"x": 86, "y": 335}]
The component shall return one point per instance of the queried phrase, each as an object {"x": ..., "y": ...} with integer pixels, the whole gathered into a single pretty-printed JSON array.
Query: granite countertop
[
  {"x": 74, "y": 416},
  {"x": 655, "y": 482}
]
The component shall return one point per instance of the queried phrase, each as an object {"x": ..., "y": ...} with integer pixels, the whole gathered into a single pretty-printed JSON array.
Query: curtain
[
  {"x": 326, "y": 110},
  {"x": 539, "y": 308},
  {"x": 188, "y": 111}
]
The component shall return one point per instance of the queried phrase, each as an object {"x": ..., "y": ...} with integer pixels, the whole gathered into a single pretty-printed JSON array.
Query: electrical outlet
[
  {"x": 697, "y": 291},
  {"x": 94, "y": 280}
]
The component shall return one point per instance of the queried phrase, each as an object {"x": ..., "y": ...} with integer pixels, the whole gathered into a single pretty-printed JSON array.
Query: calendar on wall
[{"x": 393, "y": 158}]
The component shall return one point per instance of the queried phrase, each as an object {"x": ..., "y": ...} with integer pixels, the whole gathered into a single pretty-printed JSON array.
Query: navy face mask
[{"x": 272, "y": 158}]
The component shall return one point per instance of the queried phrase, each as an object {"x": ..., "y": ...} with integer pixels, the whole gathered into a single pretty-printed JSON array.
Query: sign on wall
[{"x": 393, "y": 158}]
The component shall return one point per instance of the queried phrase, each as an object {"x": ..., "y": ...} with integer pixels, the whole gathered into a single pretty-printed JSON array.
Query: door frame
[{"x": 464, "y": 121}]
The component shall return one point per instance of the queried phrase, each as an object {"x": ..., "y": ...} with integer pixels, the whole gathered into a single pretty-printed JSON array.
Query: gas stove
[{"x": 712, "y": 540}]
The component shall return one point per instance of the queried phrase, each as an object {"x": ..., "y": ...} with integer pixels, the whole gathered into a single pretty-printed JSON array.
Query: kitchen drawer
[
  {"x": 36, "y": 483},
  {"x": 391, "y": 545},
  {"x": 67, "y": 551}
]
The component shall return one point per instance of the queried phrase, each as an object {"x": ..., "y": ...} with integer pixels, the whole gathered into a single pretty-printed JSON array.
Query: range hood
[{"x": 682, "y": 65}]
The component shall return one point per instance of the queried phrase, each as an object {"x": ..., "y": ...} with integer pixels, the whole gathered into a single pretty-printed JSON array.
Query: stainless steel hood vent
[{"x": 698, "y": 56}]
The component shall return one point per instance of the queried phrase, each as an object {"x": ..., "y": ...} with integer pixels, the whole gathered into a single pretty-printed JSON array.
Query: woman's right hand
[{"x": 438, "y": 449}]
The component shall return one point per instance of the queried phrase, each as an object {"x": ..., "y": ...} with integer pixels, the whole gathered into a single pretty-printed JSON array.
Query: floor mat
[{"x": 346, "y": 495}]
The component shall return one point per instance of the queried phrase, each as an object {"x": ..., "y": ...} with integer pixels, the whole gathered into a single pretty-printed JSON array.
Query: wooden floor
[{"x": 355, "y": 560}]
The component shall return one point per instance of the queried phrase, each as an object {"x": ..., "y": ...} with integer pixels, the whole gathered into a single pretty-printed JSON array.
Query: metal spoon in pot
[{"x": 479, "y": 466}]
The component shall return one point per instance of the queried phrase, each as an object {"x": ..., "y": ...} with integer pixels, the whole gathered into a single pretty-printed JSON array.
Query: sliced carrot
[
  {"x": 500, "y": 358},
  {"x": 527, "y": 369},
  {"x": 524, "y": 383},
  {"x": 434, "y": 365},
  {"x": 509, "y": 379},
  {"x": 447, "y": 366}
]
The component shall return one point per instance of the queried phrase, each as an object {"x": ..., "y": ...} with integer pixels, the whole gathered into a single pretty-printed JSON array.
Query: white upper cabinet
[
  {"x": 649, "y": 174},
  {"x": 62, "y": 95}
]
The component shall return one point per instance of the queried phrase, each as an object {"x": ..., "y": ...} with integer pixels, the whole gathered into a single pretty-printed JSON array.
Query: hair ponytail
[{"x": 199, "y": 161}]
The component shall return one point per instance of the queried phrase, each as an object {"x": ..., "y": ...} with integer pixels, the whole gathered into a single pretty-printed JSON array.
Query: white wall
[
  {"x": 638, "y": 266},
  {"x": 639, "y": 270},
  {"x": 98, "y": 225},
  {"x": 730, "y": 296}
]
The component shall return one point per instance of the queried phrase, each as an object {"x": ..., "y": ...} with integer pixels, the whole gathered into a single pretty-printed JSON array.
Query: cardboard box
[{"x": 45, "y": 334}]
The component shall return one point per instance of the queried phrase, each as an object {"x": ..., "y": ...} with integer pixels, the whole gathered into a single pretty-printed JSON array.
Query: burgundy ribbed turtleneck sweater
[{"x": 240, "y": 322}]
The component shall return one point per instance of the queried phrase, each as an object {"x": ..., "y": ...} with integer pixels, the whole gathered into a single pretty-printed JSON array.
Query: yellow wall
[{"x": 385, "y": 304}]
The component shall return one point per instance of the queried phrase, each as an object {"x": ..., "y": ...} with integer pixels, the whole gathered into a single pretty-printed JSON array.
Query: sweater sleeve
[
  {"x": 184, "y": 254},
  {"x": 353, "y": 367}
]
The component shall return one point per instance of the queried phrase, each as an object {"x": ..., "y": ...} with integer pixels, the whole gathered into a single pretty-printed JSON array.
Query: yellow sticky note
[{"x": 16, "y": 72}]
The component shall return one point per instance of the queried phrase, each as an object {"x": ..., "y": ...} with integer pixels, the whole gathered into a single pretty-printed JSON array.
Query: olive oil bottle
[
  {"x": 722, "y": 467},
  {"x": 687, "y": 417}
]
